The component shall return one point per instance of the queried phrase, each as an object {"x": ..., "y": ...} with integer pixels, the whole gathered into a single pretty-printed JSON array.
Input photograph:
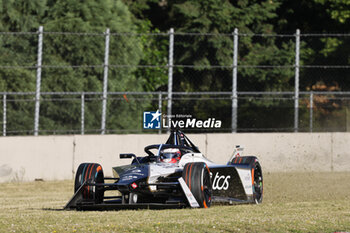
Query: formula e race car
[{"x": 172, "y": 175}]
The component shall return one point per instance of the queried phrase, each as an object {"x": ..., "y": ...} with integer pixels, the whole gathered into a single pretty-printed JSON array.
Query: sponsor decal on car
[
  {"x": 220, "y": 182},
  {"x": 246, "y": 178}
]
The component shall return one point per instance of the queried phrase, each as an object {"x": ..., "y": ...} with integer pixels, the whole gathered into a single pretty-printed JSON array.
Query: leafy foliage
[
  {"x": 206, "y": 57},
  {"x": 70, "y": 49}
]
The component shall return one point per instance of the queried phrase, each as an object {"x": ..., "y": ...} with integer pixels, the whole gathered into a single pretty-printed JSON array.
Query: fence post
[
  {"x": 105, "y": 84},
  {"x": 38, "y": 81},
  {"x": 296, "y": 90},
  {"x": 170, "y": 71},
  {"x": 82, "y": 113},
  {"x": 234, "y": 82},
  {"x": 4, "y": 116},
  {"x": 311, "y": 109}
]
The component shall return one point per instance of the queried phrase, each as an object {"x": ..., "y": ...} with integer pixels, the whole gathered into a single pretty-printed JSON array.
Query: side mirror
[{"x": 127, "y": 156}]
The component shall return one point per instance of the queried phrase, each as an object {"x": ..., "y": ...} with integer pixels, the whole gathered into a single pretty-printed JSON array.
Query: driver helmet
[{"x": 170, "y": 155}]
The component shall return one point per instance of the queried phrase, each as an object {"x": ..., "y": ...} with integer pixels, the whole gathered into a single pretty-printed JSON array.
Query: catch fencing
[{"x": 238, "y": 78}]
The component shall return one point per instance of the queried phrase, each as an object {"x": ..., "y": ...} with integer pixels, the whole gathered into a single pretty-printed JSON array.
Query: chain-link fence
[
  {"x": 257, "y": 112},
  {"x": 79, "y": 83}
]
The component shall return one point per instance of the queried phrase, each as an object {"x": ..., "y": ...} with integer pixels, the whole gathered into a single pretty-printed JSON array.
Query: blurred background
[{"x": 94, "y": 67}]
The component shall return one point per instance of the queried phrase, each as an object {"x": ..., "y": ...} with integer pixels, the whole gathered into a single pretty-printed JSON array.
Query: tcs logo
[{"x": 220, "y": 182}]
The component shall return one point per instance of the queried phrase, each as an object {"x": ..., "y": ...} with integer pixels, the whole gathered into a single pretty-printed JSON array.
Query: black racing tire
[
  {"x": 197, "y": 178},
  {"x": 258, "y": 183},
  {"x": 257, "y": 175},
  {"x": 92, "y": 172}
]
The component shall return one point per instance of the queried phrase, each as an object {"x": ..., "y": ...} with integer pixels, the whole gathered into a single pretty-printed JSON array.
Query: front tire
[
  {"x": 258, "y": 185},
  {"x": 197, "y": 178},
  {"x": 93, "y": 173},
  {"x": 257, "y": 175}
]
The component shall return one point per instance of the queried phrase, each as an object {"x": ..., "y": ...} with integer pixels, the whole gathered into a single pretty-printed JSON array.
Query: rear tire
[
  {"x": 197, "y": 178},
  {"x": 93, "y": 173}
]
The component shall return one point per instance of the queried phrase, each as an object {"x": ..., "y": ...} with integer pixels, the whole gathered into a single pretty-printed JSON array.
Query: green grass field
[{"x": 293, "y": 202}]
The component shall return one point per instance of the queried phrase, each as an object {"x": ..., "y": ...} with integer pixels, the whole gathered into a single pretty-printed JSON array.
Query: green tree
[
  {"x": 19, "y": 50},
  {"x": 92, "y": 16},
  {"x": 321, "y": 17},
  {"x": 64, "y": 50},
  {"x": 155, "y": 47},
  {"x": 339, "y": 10},
  {"x": 283, "y": 16},
  {"x": 207, "y": 51}
]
